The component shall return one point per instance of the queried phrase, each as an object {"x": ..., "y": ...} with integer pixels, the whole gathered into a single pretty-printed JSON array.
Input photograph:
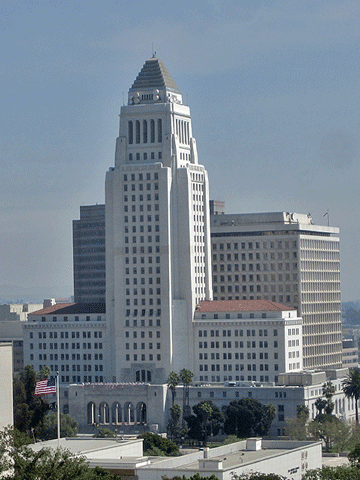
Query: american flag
[{"x": 45, "y": 387}]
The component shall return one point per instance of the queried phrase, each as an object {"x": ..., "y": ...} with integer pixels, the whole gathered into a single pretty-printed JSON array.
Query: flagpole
[{"x": 58, "y": 406}]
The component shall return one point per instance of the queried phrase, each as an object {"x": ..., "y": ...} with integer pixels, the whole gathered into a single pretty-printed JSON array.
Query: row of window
[
  {"x": 87, "y": 334},
  {"x": 141, "y": 218},
  {"x": 255, "y": 288},
  {"x": 143, "y": 346},
  {"x": 141, "y": 186},
  {"x": 142, "y": 357},
  {"x": 251, "y": 256},
  {"x": 259, "y": 267},
  {"x": 255, "y": 245},
  {"x": 143, "y": 314},
  {"x": 236, "y": 333},
  {"x": 249, "y": 344},
  {"x": 141, "y": 176},
  {"x": 241, "y": 378},
  {"x": 77, "y": 318},
  {"x": 137, "y": 156},
  {"x": 238, "y": 367},
  {"x": 74, "y": 356},
  {"x": 237, "y": 356},
  {"x": 65, "y": 346},
  {"x": 142, "y": 334}
]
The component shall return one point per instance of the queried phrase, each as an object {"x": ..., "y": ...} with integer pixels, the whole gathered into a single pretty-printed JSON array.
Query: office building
[
  {"x": 68, "y": 338},
  {"x": 157, "y": 233},
  {"x": 284, "y": 258},
  {"x": 246, "y": 341},
  {"x": 89, "y": 255}
]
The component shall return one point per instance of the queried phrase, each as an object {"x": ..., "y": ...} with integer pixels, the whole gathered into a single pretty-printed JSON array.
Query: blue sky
[{"x": 273, "y": 88}]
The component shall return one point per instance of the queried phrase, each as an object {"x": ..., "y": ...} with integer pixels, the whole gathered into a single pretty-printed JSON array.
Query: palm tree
[
  {"x": 186, "y": 377},
  {"x": 351, "y": 388},
  {"x": 172, "y": 383}
]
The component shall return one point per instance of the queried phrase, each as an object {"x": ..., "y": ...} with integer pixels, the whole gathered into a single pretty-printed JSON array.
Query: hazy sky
[{"x": 273, "y": 88}]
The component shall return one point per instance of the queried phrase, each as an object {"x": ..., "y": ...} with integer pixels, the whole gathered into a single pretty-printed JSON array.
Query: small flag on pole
[{"x": 45, "y": 387}]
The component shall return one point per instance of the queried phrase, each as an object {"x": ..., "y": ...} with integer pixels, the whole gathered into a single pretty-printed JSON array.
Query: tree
[
  {"x": 328, "y": 392},
  {"x": 320, "y": 404},
  {"x": 325, "y": 427},
  {"x": 156, "y": 445},
  {"x": 332, "y": 473},
  {"x": 104, "y": 433},
  {"x": 20, "y": 462},
  {"x": 259, "y": 476},
  {"x": 248, "y": 417},
  {"x": 174, "y": 429},
  {"x": 29, "y": 409},
  {"x": 207, "y": 421},
  {"x": 351, "y": 388},
  {"x": 186, "y": 377},
  {"x": 173, "y": 381},
  {"x": 296, "y": 427},
  {"x": 68, "y": 426},
  {"x": 45, "y": 373},
  {"x": 197, "y": 476}
]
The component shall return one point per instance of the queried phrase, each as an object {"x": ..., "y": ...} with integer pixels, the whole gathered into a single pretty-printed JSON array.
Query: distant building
[
  {"x": 217, "y": 207},
  {"x": 246, "y": 340},
  {"x": 89, "y": 255},
  {"x": 11, "y": 318},
  {"x": 6, "y": 381},
  {"x": 284, "y": 258},
  {"x": 350, "y": 353}
]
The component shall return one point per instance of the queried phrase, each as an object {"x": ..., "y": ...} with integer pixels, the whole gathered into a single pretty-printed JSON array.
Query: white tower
[{"x": 157, "y": 233}]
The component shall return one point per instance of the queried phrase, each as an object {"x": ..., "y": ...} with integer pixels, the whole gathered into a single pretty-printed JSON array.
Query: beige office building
[{"x": 284, "y": 258}]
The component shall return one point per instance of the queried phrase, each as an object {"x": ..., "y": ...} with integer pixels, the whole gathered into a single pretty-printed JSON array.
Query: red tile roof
[{"x": 240, "y": 306}]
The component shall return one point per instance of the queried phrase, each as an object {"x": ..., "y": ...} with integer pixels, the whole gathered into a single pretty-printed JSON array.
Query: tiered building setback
[{"x": 157, "y": 233}]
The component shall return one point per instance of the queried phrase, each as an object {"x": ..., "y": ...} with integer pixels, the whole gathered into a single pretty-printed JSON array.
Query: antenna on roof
[{"x": 153, "y": 52}]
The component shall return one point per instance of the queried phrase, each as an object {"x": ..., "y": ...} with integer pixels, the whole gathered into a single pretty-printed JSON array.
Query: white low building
[
  {"x": 246, "y": 340},
  {"x": 130, "y": 408}
]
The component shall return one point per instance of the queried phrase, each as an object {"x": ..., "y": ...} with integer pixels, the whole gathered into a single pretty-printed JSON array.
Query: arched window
[
  {"x": 137, "y": 133},
  {"x": 152, "y": 131},
  {"x": 143, "y": 376},
  {"x": 145, "y": 131},
  {"x": 141, "y": 416},
  {"x": 104, "y": 413},
  {"x": 128, "y": 413},
  {"x": 116, "y": 413},
  {"x": 91, "y": 413},
  {"x": 130, "y": 132}
]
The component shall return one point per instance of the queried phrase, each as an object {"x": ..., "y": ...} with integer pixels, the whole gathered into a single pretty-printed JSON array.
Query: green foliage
[
  {"x": 186, "y": 376},
  {"x": 325, "y": 427},
  {"x": 174, "y": 428},
  {"x": 333, "y": 473},
  {"x": 104, "y": 433},
  {"x": 29, "y": 409},
  {"x": 354, "y": 456},
  {"x": 248, "y": 417},
  {"x": 302, "y": 411},
  {"x": 45, "y": 373},
  {"x": 207, "y": 420},
  {"x": 172, "y": 382},
  {"x": 68, "y": 426},
  {"x": 351, "y": 388},
  {"x": 156, "y": 443},
  {"x": 20, "y": 462}
]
